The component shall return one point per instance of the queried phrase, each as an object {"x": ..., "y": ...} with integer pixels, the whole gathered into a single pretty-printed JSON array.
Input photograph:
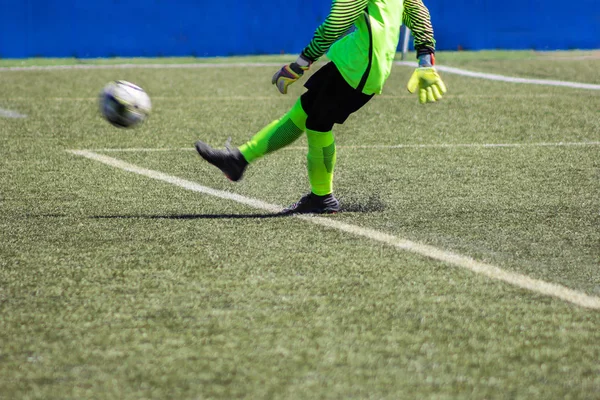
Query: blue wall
[
  {"x": 101, "y": 28},
  {"x": 516, "y": 24}
]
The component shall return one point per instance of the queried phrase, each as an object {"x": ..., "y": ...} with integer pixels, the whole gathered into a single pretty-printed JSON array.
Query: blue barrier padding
[{"x": 202, "y": 28}]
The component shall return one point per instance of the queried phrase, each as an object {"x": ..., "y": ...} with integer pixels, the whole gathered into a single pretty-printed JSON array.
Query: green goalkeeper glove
[
  {"x": 427, "y": 80},
  {"x": 290, "y": 73}
]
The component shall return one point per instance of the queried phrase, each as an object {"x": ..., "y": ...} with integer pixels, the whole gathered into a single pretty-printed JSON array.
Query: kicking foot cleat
[
  {"x": 230, "y": 161},
  {"x": 313, "y": 204}
]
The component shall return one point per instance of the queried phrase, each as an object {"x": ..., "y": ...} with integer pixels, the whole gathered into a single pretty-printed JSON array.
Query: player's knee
[{"x": 319, "y": 123}]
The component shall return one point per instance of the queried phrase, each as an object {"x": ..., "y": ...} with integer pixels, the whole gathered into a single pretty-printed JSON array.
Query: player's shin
[
  {"x": 320, "y": 161},
  {"x": 277, "y": 134}
]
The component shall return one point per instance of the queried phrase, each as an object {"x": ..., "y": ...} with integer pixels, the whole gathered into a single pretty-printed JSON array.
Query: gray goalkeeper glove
[{"x": 290, "y": 73}]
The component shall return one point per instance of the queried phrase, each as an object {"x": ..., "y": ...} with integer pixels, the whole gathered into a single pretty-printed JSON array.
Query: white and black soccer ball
[{"x": 124, "y": 104}]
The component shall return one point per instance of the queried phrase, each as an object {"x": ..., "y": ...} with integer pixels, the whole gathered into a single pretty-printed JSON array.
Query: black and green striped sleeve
[
  {"x": 342, "y": 16},
  {"x": 416, "y": 18}
]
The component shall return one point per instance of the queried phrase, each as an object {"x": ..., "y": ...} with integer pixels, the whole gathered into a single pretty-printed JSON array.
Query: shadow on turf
[
  {"x": 372, "y": 204},
  {"x": 189, "y": 216}
]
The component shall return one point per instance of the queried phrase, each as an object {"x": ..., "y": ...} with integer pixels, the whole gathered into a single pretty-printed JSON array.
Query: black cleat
[
  {"x": 230, "y": 161},
  {"x": 312, "y": 204}
]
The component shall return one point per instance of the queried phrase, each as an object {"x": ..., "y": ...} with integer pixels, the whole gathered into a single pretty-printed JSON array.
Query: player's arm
[
  {"x": 416, "y": 18},
  {"x": 425, "y": 78},
  {"x": 341, "y": 18}
]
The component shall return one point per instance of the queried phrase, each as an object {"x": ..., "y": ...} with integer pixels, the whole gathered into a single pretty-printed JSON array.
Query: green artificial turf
[{"x": 114, "y": 285}]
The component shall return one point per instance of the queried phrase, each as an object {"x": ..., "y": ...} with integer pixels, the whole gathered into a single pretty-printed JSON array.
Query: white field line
[
  {"x": 566, "y": 58},
  {"x": 406, "y": 96},
  {"x": 377, "y": 146},
  {"x": 457, "y": 260},
  {"x": 449, "y": 70},
  {"x": 4, "y": 113},
  {"x": 503, "y": 78}
]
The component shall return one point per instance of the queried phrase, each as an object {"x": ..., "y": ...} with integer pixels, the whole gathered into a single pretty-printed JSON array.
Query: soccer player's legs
[
  {"x": 320, "y": 161},
  {"x": 321, "y": 156},
  {"x": 327, "y": 104},
  {"x": 280, "y": 133},
  {"x": 277, "y": 134}
]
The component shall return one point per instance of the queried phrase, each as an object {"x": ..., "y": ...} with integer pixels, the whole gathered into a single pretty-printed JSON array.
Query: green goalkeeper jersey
[{"x": 364, "y": 57}]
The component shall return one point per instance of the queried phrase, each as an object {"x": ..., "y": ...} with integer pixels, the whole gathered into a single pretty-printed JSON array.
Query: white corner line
[
  {"x": 503, "y": 78},
  {"x": 450, "y": 70},
  {"x": 454, "y": 259},
  {"x": 4, "y": 113}
]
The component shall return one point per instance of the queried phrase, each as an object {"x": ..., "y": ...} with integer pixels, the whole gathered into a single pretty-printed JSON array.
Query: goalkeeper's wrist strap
[
  {"x": 426, "y": 60},
  {"x": 303, "y": 61},
  {"x": 300, "y": 65}
]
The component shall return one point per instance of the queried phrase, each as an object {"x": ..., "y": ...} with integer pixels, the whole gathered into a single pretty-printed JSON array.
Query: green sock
[
  {"x": 276, "y": 135},
  {"x": 320, "y": 161}
]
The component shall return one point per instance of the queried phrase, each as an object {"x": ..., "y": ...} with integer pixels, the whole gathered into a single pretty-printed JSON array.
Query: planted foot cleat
[
  {"x": 230, "y": 161},
  {"x": 312, "y": 204}
]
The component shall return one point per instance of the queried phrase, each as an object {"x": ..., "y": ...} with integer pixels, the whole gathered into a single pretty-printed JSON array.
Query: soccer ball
[{"x": 124, "y": 104}]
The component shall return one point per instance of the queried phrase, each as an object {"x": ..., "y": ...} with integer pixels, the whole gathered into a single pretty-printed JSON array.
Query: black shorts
[{"x": 330, "y": 99}]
